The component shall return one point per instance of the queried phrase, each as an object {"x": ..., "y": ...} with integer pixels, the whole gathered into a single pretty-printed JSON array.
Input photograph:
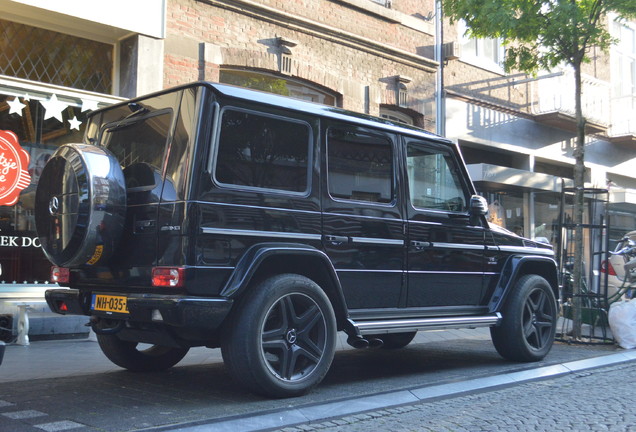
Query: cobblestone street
[{"x": 595, "y": 400}]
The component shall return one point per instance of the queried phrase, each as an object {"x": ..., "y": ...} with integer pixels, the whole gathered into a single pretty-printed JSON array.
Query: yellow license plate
[{"x": 109, "y": 303}]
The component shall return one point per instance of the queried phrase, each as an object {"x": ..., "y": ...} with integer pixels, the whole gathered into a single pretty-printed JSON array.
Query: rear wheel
[
  {"x": 127, "y": 354},
  {"x": 281, "y": 339},
  {"x": 526, "y": 332}
]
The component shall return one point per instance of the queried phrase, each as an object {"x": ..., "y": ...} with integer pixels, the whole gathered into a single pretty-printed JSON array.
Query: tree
[{"x": 541, "y": 34}]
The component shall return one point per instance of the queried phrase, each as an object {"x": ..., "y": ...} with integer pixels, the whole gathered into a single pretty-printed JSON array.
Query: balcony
[
  {"x": 554, "y": 102},
  {"x": 623, "y": 127}
]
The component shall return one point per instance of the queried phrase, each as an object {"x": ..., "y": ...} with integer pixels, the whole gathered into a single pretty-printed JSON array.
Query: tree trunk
[{"x": 579, "y": 205}]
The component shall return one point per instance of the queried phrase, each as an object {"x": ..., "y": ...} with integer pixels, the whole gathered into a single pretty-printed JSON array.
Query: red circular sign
[{"x": 14, "y": 164}]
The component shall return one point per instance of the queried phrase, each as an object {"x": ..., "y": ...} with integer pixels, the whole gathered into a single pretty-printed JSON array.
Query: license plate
[{"x": 109, "y": 304}]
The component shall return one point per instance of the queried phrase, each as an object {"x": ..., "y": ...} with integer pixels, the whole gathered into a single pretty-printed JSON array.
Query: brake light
[
  {"x": 60, "y": 275},
  {"x": 171, "y": 277},
  {"x": 606, "y": 267}
]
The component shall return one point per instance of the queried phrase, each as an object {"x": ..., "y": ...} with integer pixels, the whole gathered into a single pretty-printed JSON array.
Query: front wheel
[
  {"x": 127, "y": 355},
  {"x": 526, "y": 332},
  {"x": 281, "y": 338}
]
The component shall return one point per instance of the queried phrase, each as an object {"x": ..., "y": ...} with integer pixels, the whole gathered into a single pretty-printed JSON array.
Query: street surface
[
  {"x": 69, "y": 385},
  {"x": 596, "y": 400}
]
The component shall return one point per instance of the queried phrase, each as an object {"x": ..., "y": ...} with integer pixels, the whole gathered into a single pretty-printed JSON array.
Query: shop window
[
  {"x": 42, "y": 121},
  {"x": 278, "y": 85},
  {"x": 62, "y": 59}
]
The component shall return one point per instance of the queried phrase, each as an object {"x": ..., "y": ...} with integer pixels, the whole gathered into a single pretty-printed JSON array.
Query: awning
[
  {"x": 504, "y": 178},
  {"x": 623, "y": 200}
]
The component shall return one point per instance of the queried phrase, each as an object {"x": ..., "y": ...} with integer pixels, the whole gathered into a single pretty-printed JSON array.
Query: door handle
[
  {"x": 419, "y": 245},
  {"x": 336, "y": 239}
]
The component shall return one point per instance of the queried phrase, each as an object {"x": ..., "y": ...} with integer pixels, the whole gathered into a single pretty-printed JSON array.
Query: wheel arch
[
  {"x": 517, "y": 267},
  {"x": 267, "y": 259}
]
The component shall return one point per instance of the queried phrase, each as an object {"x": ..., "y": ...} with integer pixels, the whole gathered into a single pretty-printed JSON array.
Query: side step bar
[{"x": 438, "y": 323}]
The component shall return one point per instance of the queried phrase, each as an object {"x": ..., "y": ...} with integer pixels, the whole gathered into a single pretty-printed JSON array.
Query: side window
[
  {"x": 261, "y": 151},
  {"x": 434, "y": 179},
  {"x": 360, "y": 166}
]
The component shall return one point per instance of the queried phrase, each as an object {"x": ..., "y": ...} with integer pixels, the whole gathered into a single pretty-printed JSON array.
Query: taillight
[
  {"x": 171, "y": 277},
  {"x": 606, "y": 267},
  {"x": 60, "y": 274}
]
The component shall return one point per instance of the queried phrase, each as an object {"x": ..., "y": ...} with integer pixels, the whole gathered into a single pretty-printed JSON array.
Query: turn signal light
[
  {"x": 60, "y": 275},
  {"x": 171, "y": 277}
]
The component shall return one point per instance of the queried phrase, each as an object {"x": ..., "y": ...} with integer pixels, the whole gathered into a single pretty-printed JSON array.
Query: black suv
[{"x": 211, "y": 215}]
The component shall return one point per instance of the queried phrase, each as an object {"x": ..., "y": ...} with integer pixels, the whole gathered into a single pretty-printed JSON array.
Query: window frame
[
  {"x": 476, "y": 56},
  {"x": 443, "y": 150},
  {"x": 394, "y": 166},
  {"x": 216, "y": 138}
]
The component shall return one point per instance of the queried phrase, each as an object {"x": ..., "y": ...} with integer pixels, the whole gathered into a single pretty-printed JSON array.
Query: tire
[
  {"x": 281, "y": 339},
  {"x": 80, "y": 206},
  {"x": 526, "y": 332},
  {"x": 394, "y": 340},
  {"x": 126, "y": 355}
]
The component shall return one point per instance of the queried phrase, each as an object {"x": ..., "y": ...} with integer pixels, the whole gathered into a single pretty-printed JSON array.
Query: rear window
[
  {"x": 139, "y": 144},
  {"x": 256, "y": 150}
]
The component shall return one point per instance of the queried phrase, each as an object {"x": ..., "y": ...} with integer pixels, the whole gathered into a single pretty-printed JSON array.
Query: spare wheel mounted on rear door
[{"x": 80, "y": 205}]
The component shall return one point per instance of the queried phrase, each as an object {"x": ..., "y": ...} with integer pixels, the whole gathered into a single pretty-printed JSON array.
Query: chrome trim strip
[
  {"x": 437, "y": 245},
  {"x": 526, "y": 250},
  {"x": 251, "y": 206},
  {"x": 400, "y": 325},
  {"x": 446, "y": 272},
  {"x": 379, "y": 241},
  {"x": 254, "y": 233},
  {"x": 369, "y": 271}
]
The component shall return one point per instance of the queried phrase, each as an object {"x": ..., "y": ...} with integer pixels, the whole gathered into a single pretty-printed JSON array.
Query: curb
[{"x": 360, "y": 405}]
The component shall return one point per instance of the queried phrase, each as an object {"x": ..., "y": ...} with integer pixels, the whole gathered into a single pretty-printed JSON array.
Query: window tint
[
  {"x": 360, "y": 166},
  {"x": 434, "y": 179},
  {"x": 262, "y": 151},
  {"x": 139, "y": 144}
]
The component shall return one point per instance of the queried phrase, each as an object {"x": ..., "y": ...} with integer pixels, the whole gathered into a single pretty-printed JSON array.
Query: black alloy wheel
[
  {"x": 281, "y": 338},
  {"x": 526, "y": 332}
]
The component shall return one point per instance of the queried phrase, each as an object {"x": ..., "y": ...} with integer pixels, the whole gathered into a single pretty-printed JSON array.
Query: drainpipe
[{"x": 440, "y": 101}]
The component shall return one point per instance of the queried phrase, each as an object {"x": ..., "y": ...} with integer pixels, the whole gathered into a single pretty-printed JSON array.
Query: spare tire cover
[{"x": 80, "y": 206}]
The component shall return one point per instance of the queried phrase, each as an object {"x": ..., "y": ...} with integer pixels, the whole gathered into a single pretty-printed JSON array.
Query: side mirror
[{"x": 478, "y": 208}]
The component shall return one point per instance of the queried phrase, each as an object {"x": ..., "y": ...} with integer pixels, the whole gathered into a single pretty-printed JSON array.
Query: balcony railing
[
  {"x": 554, "y": 100},
  {"x": 623, "y": 117}
]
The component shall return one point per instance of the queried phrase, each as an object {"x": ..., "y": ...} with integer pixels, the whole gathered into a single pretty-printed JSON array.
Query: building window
[
  {"x": 396, "y": 116},
  {"x": 625, "y": 62},
  {"x": 277, "y": 84},
  {"x": 487, "y": 53},
  {"x": 55, "y": 58}
]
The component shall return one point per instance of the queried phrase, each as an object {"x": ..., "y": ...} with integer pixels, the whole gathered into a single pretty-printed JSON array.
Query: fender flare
[
  {"x": 258, "y": 254},
  {"x": 515, "y": 267}
]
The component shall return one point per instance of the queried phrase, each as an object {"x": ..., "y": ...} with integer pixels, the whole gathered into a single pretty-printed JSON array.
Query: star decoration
[
  {"x": 15, "y": 106},
  {"x": 75, "y": 123},
  {"x": 89, "y": 105},
  {"x": 54, "y": 108}
]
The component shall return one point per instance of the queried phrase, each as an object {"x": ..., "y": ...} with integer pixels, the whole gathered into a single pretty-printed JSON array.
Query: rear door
[
  {"x": 445, "y": 253},
  {"x": 363, "y": 230}
]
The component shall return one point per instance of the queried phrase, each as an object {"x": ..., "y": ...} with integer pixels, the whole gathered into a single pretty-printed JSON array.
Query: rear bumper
[{"x": 176, "y": 311}]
